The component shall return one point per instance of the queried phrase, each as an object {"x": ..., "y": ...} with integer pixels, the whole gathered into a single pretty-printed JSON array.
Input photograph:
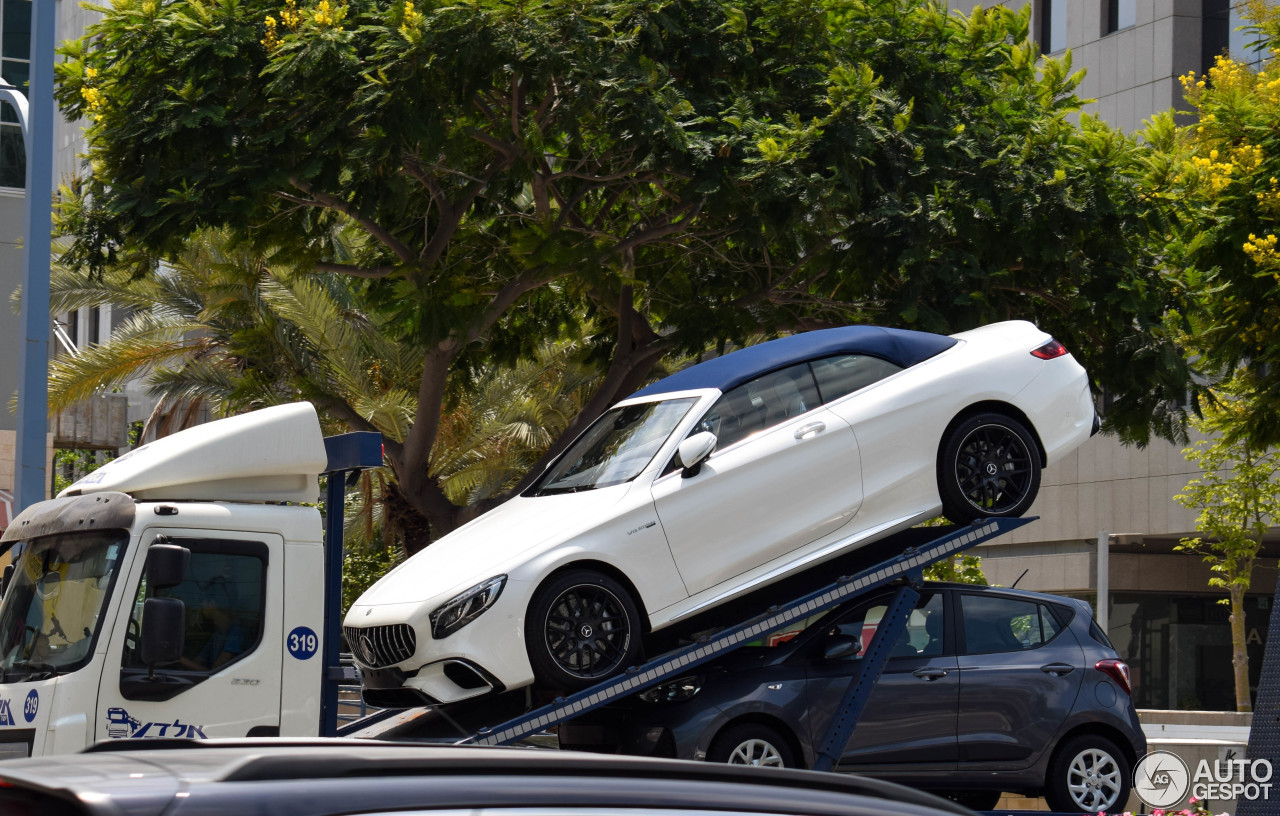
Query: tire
[
  {"x": 582, "y": 627},
  {"x": 752, "y": 744},
  {"x": 988, "y": 466},
  {"x": 1088, "y": 774}
]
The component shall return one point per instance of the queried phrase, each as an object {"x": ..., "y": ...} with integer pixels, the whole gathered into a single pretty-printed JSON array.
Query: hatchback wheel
[
  {"x": 752, "y": 744},
  {"x": 988, "y": 466},
  {"x": 1088, "y": 774},
  {"x": 582, "y": 627}
]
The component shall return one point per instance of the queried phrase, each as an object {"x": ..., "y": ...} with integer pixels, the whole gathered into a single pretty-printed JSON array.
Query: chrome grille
[{"x": 381, "y": 646}]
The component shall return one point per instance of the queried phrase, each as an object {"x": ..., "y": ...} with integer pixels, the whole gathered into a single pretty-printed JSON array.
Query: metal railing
[{"x": 351, "y": 706}]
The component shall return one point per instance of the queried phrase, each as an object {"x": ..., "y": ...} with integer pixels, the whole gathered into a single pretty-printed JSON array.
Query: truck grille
[{"x": 381, "y": 646}]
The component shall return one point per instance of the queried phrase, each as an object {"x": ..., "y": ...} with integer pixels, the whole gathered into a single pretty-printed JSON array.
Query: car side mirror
[
  {"x": 838, "y": 646},
  {"x": 694, "y": 450},
  {"x": 166, "y": 564},
  {"x": 164, "y": 624}
]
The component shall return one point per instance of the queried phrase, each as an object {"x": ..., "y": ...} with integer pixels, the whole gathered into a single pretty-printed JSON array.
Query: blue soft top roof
[{"x": 898, "y": 346}]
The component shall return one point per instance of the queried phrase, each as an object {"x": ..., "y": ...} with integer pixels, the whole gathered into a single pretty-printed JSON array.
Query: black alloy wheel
[
  {"x": 989, "y": 467},
  {"x": 583, "y": 626}
]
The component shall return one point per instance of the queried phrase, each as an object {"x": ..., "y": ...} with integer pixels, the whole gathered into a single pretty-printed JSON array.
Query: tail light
[
  {"x": 1050, "y": 350},
  {"x": 1117, "y": 670}
]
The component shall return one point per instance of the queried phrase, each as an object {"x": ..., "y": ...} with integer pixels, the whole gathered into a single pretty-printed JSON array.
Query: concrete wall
[
  {"x": 1104, "y": 485},
  {"x": 1134, "y": 72},
  {"x": 1131, "y": 73}
]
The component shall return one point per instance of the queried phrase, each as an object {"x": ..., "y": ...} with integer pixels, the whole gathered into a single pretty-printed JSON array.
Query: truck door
[{"x": 227, "y": 682}]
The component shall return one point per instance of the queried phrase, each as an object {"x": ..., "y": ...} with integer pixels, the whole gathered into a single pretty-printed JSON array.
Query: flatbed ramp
[{"x": 901, "y": 558}]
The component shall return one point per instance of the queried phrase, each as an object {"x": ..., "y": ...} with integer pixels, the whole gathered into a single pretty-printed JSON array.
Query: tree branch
[
  {"x": 356, "y": 271},
  {"x": 402, "y": 251}
]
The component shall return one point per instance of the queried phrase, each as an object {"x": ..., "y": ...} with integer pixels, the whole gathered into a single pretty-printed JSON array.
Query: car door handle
[
  {"x": 810, "y": 429},
  {"x": 929, "y": 673},
  {"x": 1058, "y": 669}
]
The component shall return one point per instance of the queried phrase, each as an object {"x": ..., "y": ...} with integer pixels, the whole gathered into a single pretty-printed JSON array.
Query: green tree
[
  {"x": 1238, "y": 498},
  {"x": 962, "y": 569},
  {"x": 686, "y": 173}
]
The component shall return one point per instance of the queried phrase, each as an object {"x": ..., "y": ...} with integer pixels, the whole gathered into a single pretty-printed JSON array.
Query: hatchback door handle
[
  {"x": 810, "y": 429},
  {"x": 1058, "y": 669},
  {"x": 930, "y": 674}
]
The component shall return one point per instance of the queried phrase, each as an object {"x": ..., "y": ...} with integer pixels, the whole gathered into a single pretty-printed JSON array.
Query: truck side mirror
[
  {"x": 694, "y": 450},
  {"x": 164, "y": 624},
  {"x": 838, "y": 646},
  {"x": 4, "y": 581},
  {"x": 166, "y": 564}
]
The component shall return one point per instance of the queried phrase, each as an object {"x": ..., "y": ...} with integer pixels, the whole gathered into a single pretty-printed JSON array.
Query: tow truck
[{"x": 190, "y": 589}]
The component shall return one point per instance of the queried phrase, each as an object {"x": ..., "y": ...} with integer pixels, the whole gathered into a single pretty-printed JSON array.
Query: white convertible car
[{"x": 726, "y": 476}]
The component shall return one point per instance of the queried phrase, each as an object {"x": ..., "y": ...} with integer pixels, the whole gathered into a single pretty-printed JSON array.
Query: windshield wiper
[
  {"x": 38, "y": 671},
  {"x": 551, "y": 491}
]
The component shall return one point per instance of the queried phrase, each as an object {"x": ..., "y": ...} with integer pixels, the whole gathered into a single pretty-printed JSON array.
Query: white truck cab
[{"x": 177, "y": 592}]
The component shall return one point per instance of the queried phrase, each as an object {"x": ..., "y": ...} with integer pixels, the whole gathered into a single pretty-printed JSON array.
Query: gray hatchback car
[{"x": 989, "y": 690}]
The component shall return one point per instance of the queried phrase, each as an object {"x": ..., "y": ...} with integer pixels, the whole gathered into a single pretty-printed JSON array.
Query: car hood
[{"x": 493, "y": 544}]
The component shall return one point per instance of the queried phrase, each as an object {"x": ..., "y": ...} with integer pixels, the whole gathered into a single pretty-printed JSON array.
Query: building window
[
  {"x": 1120, "y": 14},
  {"x": 1215, "y": 32},
  {"x": 1053, "y": 25},
  {"x": 15, "y": 67},
  {"x": 1179, "y": 647}
]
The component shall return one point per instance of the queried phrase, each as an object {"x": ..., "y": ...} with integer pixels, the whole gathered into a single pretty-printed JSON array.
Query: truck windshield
[
  {"x": 616, "y": 447},
  {"x": 52, "y": 608}
]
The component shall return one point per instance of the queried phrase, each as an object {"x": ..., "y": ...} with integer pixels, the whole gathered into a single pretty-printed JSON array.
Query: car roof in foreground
[
  {"x": 901, "y": 347},
  {"x": 337, "y": 776}
]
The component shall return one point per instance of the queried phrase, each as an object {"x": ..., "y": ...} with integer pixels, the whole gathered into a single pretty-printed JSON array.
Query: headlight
[
  {"x": 673, "y": 691},
  {"x": 460, "y": 610}
]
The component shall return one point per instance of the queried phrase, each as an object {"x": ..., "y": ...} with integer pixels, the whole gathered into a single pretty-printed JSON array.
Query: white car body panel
[
  {"x": 755, "y": 512},
  {"x": 824, "y": 491}
]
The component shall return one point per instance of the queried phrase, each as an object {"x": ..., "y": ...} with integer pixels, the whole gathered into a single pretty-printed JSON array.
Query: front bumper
[{"x": 486, "y": 656}]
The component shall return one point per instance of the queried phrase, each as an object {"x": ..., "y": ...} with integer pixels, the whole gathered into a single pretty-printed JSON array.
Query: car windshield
[
  {"x": 616, "y": 447},
  {"x": 53, "y": 604}
]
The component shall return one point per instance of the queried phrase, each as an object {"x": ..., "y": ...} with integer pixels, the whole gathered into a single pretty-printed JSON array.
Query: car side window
[
  {"x": 838, "y": 376},
  {"x": 759, "y": 404},
  {"x": 996, "y": 624},
  {"x": 224, "y": 596},
  {"x": 923, "y": 636}
]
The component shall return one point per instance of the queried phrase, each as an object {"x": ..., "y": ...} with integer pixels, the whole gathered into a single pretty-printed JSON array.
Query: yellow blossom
[{"x": 271, "y": 39}]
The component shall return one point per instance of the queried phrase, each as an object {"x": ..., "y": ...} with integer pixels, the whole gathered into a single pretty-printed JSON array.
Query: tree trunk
[{"x": 1239, "y": 653}]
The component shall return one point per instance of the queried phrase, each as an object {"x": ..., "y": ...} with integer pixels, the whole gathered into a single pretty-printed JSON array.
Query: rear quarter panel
[{"x": 899, "y": 422}]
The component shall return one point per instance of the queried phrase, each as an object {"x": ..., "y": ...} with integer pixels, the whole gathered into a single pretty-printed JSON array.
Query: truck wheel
[
  {"x": 752, "y": 744},
  {"x": 582, "y": 627},
  {"x": 1088, "y": 774},
  {"x": 988, "y": 466}
]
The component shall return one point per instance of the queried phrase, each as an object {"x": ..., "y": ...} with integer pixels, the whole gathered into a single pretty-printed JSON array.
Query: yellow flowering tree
[{"x": 1223, "y": 172}]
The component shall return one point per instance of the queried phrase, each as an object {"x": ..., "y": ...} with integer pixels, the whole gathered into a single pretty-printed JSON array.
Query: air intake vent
[{"x": 380, "y": 646}]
